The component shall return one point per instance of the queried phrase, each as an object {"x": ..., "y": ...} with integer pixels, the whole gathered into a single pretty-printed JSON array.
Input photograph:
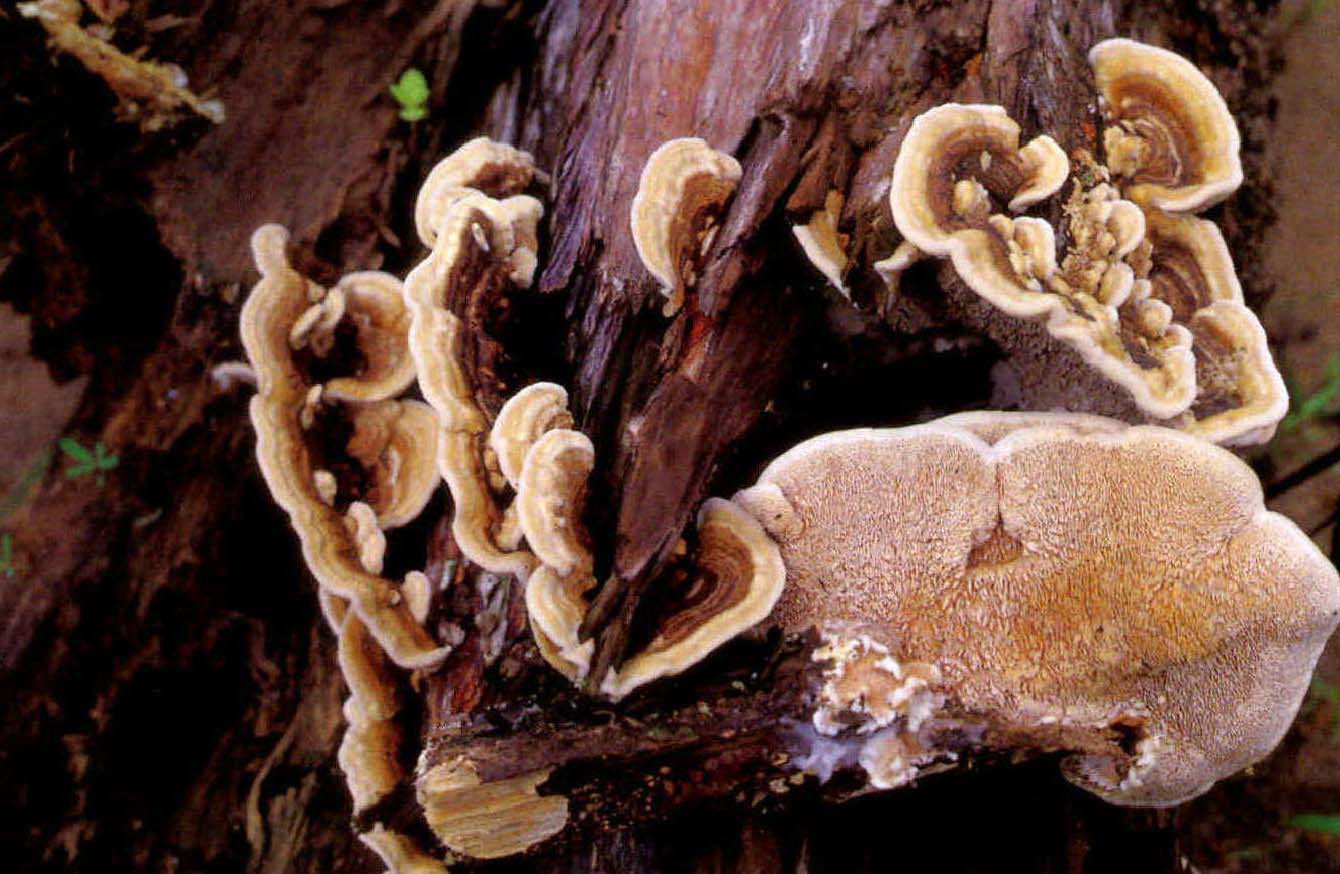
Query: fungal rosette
[
  {"x": 1170, "y": 139},
  {"x": 1145, "y": 295},
  {"x": 1051, "y": 572},
  {"x": 959, "y": 165}
]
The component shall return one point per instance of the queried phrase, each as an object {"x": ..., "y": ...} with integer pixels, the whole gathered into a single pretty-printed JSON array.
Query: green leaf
[
  {"x": 1324, "y": 823},
  {"x": 105, "y": 460},
  {"x": 1320, "y": 401},
  {"x": 71, "y": 447},
  {"x": 411, "y": 92},
  {"x": 7, "y": 554}
]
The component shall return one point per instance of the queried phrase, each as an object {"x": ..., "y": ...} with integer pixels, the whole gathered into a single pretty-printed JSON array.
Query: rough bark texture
[{"x": 173, "y": 701}]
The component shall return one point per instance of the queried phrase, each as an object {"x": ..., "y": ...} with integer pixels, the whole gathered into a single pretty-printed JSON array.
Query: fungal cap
[
  {"x": 823, "y": 245},
  {"x": 681, "y": 195},
  {"x": 368, "y": 755},
  {"x": 526, "y": 416},
  {"x": 743, "y": 577},
  {"x": 372, "y": 684},
  {"x": 482, "y": 164},
  {"x": 1140, "y": 561},
  {"x": 478, "y": 239},
  {"x": 1186, "y": 157},
  {"x": 475, "y": 516},
  {"x": 396, "y": 442},
  {"x": 1239, "y": 380},
  {"x": 556, "y": 606},
  {"x": 929, "y": 209},
  {"x": 374, "y": 304},
  {"x": 551, "y": 496},
  {"x": 1240, "y": 396}
]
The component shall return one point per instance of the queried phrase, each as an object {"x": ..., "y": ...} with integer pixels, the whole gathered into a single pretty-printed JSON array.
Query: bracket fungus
[
  {"x": 1048, "y": 573},
  {"x": 824, "y": 245},
  {"x": 737, "y": 580},
  {"x": 329, "y": 548},
  {"x": 478, "y": 242},
  {"x": 684, "y": 188},
  {"x": 1145, "y": 295},
  {"x": 1170, "y": 131}
]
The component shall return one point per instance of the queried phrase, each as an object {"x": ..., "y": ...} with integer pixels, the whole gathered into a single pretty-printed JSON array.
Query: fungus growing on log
[
  {"x": 1171, "y": 134},
  {"x": 738, "y": 580},
  {"x": 824, "y": 245},
  {"x": 329, "y": 548},
  {"x": 955, "y": 164},
  {"x": 1049, "y": 573},
  {"x": 1147, "y": 297},
  {"x": 479, "y": 243},
  {"x": 681, "y": 195}
]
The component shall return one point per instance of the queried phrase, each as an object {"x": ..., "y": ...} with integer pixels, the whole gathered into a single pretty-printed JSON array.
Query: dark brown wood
[{"x": 173, "y": 701}]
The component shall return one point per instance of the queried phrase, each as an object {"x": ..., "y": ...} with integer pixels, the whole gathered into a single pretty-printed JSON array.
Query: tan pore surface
[{"x": 1070, "y": 574}]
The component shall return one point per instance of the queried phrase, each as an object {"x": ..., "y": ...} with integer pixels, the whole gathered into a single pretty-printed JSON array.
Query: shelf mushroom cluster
[
  {"x": 1146, "y": 292},
  {"x": 346, "y": 460},
  {"x": 1033, "y": 576}
]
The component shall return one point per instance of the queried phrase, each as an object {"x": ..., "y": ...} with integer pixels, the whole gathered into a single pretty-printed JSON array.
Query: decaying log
[{"x": 175, "y": 695}]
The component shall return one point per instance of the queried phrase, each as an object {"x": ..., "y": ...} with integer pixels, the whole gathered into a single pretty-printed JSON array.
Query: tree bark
[{"x": 173, "y": 694}]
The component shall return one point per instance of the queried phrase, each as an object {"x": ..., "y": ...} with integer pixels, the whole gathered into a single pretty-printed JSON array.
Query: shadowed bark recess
[{"x": 174, "y": 698}]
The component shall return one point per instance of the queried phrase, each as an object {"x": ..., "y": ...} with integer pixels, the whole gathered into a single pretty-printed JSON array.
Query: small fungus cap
[
  {"x": 551, "y": 496},
  {"x": 481, "y": 164},
  {"x": 526, "y": 416},
  {"x": 681, "y": 195},
  {"x": 740, "y": 580},
  {"x": 374, "y": 305},
  {"x": 1184, "y": 156},
  {"x": 396, "y": 443}
]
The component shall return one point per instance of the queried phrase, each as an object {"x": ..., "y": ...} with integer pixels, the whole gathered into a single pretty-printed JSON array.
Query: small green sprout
[
  {"x": 1320, "y": 402},
  {"x": 1323, "y": 823},
  {"x": 7, "y": 554},
  {"x": 98, "y": 461},
  {"x": 411, "y": 92}
]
